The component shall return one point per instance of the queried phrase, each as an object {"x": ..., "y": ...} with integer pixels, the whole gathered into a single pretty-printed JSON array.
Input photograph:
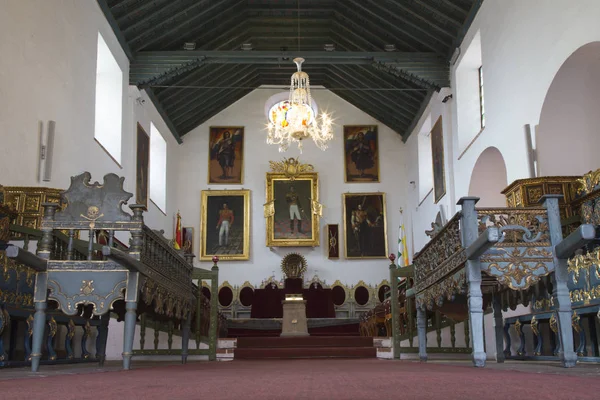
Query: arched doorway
[
  {"x": 569, "y": 130},
  {"x": 489, "y": 179}
]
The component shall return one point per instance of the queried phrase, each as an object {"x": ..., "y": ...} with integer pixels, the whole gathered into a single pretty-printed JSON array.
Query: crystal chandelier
[{"x": 296, "y": 121}]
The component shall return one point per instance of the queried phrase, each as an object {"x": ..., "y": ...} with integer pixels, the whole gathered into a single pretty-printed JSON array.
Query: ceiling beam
[
  {"x": 397, "y": 71},
  {"x": 418, "y": 115},
  {"x": 177, "y": 22},
  {"x": 467, "y": 24},
  {"x": 385, "y": 78},
  {"x": 348, "y": 57},
  {"x": 393, "y": 105},
  {"x": 164, "y": 115},
  {"x": 405, "y": 9},
  {"x": 206, "y": 107},
  {"x": 115, "y": 27},
  {"x": 136, "y": 10},
  {"x": 225, "y": 21},
  {"x": 182, "y": 114},
  {"x": 189, "y": 94},
  {"x": 397, "y": 98},
  {"x": 205, "y": 73},
  {"x": 170, "y": 73},
  {"x": 440, "y": 14},
  {"x": 352, "y": 100},
  {"x": 400, "y": 28},
  {"x": 367, "y": 100}
]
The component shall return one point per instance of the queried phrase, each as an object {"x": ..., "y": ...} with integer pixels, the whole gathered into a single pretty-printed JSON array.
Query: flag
[
  {"x": 178, "y": 243},
  {"x": 403, "y": 260}
]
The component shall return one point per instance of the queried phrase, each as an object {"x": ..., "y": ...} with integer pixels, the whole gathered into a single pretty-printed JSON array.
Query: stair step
[
  {"x": 305, "y": 352},
  {"x": 304, "y": 342}
]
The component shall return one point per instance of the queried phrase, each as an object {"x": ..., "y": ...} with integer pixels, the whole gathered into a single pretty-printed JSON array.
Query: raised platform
[
  {"x": 271, "y": 327},
  {"x": 305, "y": 347}
]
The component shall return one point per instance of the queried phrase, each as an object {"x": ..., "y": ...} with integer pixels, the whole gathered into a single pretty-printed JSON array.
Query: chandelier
[{"x": 295, "y": 121}]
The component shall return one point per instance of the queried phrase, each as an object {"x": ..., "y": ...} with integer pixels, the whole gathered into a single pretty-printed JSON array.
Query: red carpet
[
  {"x": 305, "y": 347},
  {"x": 305, "y": 379}
]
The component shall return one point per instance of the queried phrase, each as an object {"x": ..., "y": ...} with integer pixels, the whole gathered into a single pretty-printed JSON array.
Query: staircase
[{"x": 305, "y": 347}]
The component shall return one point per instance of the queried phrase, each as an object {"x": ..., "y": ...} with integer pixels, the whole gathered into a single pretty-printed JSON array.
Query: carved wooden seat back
[{"x": 88, "y": 207}]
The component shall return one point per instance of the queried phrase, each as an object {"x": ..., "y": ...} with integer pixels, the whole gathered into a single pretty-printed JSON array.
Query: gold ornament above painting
[{"x": 292, "y": 209}]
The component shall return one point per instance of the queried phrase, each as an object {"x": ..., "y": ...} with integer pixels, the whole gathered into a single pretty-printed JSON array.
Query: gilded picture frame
[
  {"x": 226, "y": 155},
  {"x": 225, "y": 225},
  {"x": 437, "y": 158},
  {"x": 365, "y": 225},
  {"x": 142, "y": 166},
  {"x": 292, "y": 210},
  {"x": 361, "y": 154}
]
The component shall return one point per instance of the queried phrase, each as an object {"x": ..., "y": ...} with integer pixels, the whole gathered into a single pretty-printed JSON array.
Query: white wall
[
  {"x": 249, "y": 112},
  {"x": 570, "y": 116},
  {"x": 49, "y": 73},
  {"x": 523, "y": 45}
]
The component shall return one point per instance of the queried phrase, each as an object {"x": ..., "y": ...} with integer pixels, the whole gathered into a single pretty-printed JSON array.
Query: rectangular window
[
  {"x": 481, "y": 103},
  {"x": 158, "y": 169},
  {"x": 109, "y": 101}
]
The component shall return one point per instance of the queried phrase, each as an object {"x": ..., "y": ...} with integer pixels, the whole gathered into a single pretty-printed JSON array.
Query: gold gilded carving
[
  {"x": 87, "y": 287},
  {"x": 585, "y": 263},
  {"x": 446, "y": 289},
  {"x": 441, "y": 256},
  {"x": 519, "y": 269},
  {"x": 520, "y": 226},
  {"x": 575, "y": 322},
  {"x": 587, "y": 182},
  {"x": 7, "y": 265},
  {"x": 554, "y": 323},
  {"x": 585, "y": 296},
  {"x": 5, "y": 229},
  {"x": 536, "y": 332},
  {"x": 293, "y": 265},
  {"x": 534, "y": 194},
  {"x": 290, "y": 167}
]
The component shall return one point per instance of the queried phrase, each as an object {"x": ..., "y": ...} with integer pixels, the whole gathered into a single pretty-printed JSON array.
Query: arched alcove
[
  {"x": 568, "y": 134},
  {"x": 489, "y": 179}
]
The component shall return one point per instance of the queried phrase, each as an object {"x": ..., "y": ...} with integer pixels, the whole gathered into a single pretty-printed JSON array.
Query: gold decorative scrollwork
[
  {"x": 585, "y": 296},
  {"x": 584, "y": 262},
  {"x": 87, "y": 287},
  {"x": 290, "y": 167},
  {"x": 446, "y": 289},
  {"x": 519, "y": 268},
  {"x": 527, "y": 227},
  {"x": 7, "y": 265},
  {"x": 534, "y": 326},
  {"x": 554, "y": 324},
  {"x": 575, "y": 322},
  {"x": 588, "y": 182},
  {"x": 441, "y": 256}
]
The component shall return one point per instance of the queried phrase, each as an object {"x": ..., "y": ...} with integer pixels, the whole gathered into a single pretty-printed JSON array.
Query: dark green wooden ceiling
[{"x": 190, "y": 86}]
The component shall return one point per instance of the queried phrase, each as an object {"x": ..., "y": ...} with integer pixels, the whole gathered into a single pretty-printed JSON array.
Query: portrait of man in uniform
[
  {"x": 226, "y": 155},
  {"x": 293, "y": 217},
  {"x": 225, "y": 224},
  {"x": 365, "y": 225}
]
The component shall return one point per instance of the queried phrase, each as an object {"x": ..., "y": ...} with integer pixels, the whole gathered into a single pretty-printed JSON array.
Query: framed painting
[
  {"x": 141, "y": 167},
  {"x": 292, "y": 209},
  {"x": 361, "y": 153},
  {"x": 226, "y": 155},
  {"x": 225, "y": 225},
  {"x": 437, "y": 156},
  {"x": 333, "y": 241},
  {"x": 188, "y": 239},
  {"x": 365, "y": 227}
]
